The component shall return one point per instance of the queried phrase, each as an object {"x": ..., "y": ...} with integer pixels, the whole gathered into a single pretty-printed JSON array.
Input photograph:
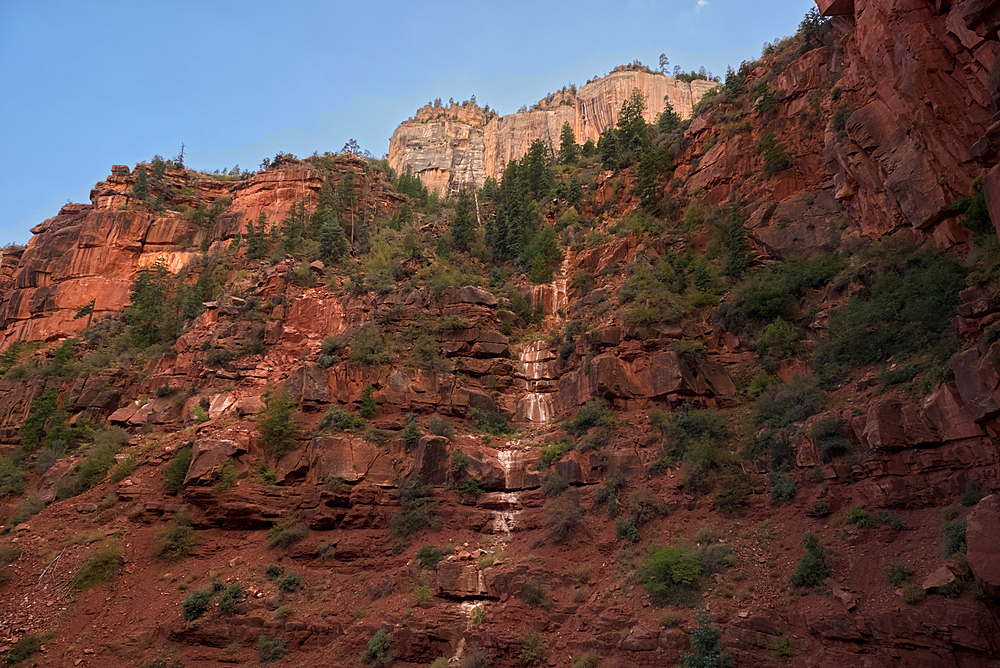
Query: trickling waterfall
[{"x": 536, "y": 405}]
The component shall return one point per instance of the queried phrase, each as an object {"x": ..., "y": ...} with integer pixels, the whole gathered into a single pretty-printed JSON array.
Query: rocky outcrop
[
  {"x": 94, "y": 251},
  {"x": 461, "y": 147}
]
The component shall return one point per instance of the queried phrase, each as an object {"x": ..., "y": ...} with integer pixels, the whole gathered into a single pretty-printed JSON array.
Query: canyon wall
[{"x": 458, "y": 147}]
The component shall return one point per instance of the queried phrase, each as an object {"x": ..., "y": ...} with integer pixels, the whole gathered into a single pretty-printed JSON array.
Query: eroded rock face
[
  {"x": 461, "y": 147},
  {"x": 983, "y": 537}
]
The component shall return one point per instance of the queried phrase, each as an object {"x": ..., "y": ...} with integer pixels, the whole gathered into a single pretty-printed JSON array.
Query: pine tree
[
  {"x": 140, "y": 189},
  {"x": 367, "y": 405},
  {"x": 257, "y": 238},
  {"x": 463, "y": 231},
  {"x": 705, "y": 643},
  {"x": 569, "y": 152},
  {"x": 293, "y": 228},
  {"x": 346, "y": 196}
]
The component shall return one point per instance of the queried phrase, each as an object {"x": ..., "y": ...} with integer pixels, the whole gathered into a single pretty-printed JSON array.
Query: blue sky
[{"x": 88, "y": 85}]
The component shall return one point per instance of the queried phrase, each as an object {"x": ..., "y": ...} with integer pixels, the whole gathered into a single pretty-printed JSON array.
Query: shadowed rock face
[{"x": 461, "y": 147}]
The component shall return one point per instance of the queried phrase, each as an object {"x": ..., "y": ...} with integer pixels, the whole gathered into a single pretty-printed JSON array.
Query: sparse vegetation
[{"x": 196, "y": 603}]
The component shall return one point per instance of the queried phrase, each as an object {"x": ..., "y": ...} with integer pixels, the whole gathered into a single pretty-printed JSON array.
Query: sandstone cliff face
[
  {"x": 458, "y": 148},
  {"x": 94, "y": 251}
]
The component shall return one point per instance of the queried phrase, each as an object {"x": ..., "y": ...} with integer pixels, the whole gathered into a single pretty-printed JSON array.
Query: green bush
[
  {"x": 176, "y": 470},
  {"x": 336, "y": 420},
  {"x": 829, "y": 442},
  {"x": 534, "y": 650},
  {"x": 897, "y": 574},
  {"x": 594, "y": 413},
  {"x": 177, "y": 539},
  {"x": 469, "y": 486},
  {"x": 588, "y": 659},
  {"x": 440, "y": 426},
  {"x": 812, "y": 568},
  {"x": 415, "y": 515},
  {"x": 552, "y": 453},
  {"x": 27, "y": 646},
  {"x": 274, "y": 571},
  {"x": 196, "y": 603},
  {"x": 776, "y": 156},
  {"x": 908, "y": 308},
  {"x": 286, "y": 533},
  {"x": 889, "y": 519},
  {"x": 379, "y": 651},
  {"x": 554, "y": 484},
  {"x": 705, "y": 643},
  {"x": 11, "y": 477},
  {"x": 670, "y": 575},
  {"x": 429, "y": 557},
  {"x": 913, "y": 594},
  {"x": 954, "y": 537},
  {"x": 782, "y": 488},
  {"x": 860, "y": 518},
  {"x": 44, "y": 407},
  {"x": 101, "y": 566},
  {"x": 971, "y": 496},
  {"x": 230, "y": 597},
  {"x": 783, "y": 404},
  {"x": 371, "y": 346},
  {"x": 489, "y": 422},
  {"x": 563, "y": 516},
  {"x": 270, "y": 649},
  {"x": 534, "y": 595},
  {"x": 610, "y": 493},
  {"x": 290, "y": 583},
  {"x": 277, "y": 426}
]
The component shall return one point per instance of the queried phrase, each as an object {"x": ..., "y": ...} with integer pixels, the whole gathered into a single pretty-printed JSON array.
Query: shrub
[
  {"x": 336, "y": 420},
  {"x": 534, "y": 595},
  {"x": 230, "y": 597},
  {"x": 776, "y": 156},
  {"x": 196, "y": 603},
  {"x": 534, "y": 650},
  {"x": 440, "y": 426},
  {"x": 563, "y": 516},
  {"x": 812, "y": 568},
  {"x": 971, "y": 496},
  {"x": 379, "y": 651},
  {"x": 371, "y": 346},
  {"x": 415, "y": 515},
  {"x": 177, "y": 539},
  {"x": 820, "y": 509},
  {"x": 860, "y": 518},
  {"x": 27, "y": 646},
  {"x": 175, "y": 471},
  {"x": 277, "y": 426},
  {"x": 783, "y": 404},
  {"x": 829, "y": 442},
  {"x": 479, "y": 615},
  {"x": 11, "y": 477},
  {"x": 101, "y": 566},
  {"x": 954, "y": 538},
  {"x": 552, "y": 453},
  {"x": 913, "y": 594},
  {"x": 670, "y": 575},
  {"x": 270, "y": 649},
  {"x": 286, "y": 533},
  {"x": 554, "y": 484},
  {"x": 429, "y": 557},
  {"x": 470, "y": 486},
  {"x": 782, "y": 488},
  {"x": 627, "y": 529},
  {"x": 889, "y": 519},
  {"x": 897, "y": 574},
  {"x": 611, "y": 491},
  {"x": 274, "y": 571},
  {"x": 290, "y": 583},
  {"x": 907, "y": 309},
  {"x": 489, "y": 422},
  {"x": 594, "y": 413},
  {"x": 283, "y": 612},
  {"x": 705, "y": 643}
]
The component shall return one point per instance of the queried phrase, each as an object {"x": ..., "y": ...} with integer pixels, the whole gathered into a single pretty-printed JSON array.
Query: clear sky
[{"x": 86, "y": 85}]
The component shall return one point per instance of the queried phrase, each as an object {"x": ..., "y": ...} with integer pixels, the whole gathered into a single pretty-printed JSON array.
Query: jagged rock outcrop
[
  {"x": 94, "y": 251},
  {"x": 462, "y": 147}
]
